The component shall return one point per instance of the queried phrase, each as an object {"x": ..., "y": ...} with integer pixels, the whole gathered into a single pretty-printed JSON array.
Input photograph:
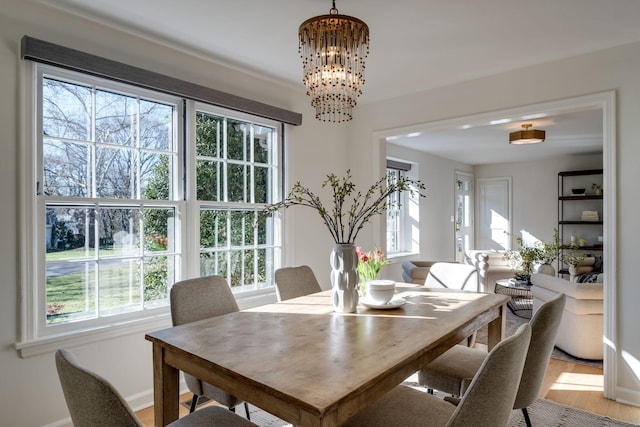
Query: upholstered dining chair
[
  {"x": 92, "y": 401},
  {"x": 453, "y": 275},
  {"x": 293, "y": 282},
  {"x": 487, "y": 402},
  {"x": 197, "y": 299},
  {"x": 452, "y": 371}
]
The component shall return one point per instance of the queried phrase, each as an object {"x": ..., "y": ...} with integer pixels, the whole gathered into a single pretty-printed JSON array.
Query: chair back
[
  {"x": 489, "y": 399},
  {"x": 544, "y": 328},
  {"x": 91, "y": 400},
  {"x": 293, "y": 282},
  {"x": 452, "y": 275},
  {"x": 201, "y": 298}
]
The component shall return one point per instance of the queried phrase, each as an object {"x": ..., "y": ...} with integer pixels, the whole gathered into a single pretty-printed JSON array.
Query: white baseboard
[{"x": 628, "y": 396}]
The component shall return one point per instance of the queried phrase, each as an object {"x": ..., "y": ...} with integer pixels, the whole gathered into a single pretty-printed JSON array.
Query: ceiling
[{"x": 415, "y": 44}]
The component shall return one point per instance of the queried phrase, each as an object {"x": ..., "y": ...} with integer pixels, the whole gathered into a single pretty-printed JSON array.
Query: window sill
[
  {"x": 50, "y": 344},
  {"x": 401, "y": 256}
]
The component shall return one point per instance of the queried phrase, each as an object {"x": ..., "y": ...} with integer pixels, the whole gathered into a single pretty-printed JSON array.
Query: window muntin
[{"x": 239, "y": 157}]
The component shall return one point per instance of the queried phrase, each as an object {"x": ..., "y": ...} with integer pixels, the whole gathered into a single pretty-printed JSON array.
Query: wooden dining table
[{"x": 310, "y": 366}]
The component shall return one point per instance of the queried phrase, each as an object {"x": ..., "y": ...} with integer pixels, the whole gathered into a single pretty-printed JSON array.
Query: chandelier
[{"x": 333, "y": 49}]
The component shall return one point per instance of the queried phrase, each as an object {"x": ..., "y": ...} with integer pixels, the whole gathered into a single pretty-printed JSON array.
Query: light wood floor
[{"x": 567, "y": 383}]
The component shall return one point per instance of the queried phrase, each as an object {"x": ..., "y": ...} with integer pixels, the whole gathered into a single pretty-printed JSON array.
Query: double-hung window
[
  {"x": 402, "y": 211},
  {"x": 133, "y": 190}
]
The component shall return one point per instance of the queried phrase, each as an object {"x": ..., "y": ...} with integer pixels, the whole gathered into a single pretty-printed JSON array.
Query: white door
[
  {"x": 463, "y": 214},
  {"x": 494, "y": 213}
]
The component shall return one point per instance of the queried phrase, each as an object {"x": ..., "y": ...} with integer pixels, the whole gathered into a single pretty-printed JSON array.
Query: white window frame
[
  {"x": 408, "y": 216},
  {"x": 35, "y": 337}
]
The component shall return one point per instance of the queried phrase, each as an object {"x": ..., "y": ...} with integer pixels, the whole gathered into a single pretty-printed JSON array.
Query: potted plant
[
  {"x": 527, "y": 257},
  {"x": 349, "y": 211}
]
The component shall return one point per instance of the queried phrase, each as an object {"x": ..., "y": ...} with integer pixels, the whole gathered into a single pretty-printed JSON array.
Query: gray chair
[
  {"x": 197, "y": 299},
  {"x": 452, "y": 372},
  {"x": 93, "y": 402},
  {"x": 487, "y": 402},
  {"x": 453, "y": 275},
  {"x": 293, "y": 282}
]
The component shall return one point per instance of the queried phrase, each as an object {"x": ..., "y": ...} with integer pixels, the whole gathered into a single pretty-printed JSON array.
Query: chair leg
[
  {"x": 430, "y": 390},
  {"x": 526, "y": 416},
  {"x": 194, "y": 403},
  {"x": 246, "y": 408}
]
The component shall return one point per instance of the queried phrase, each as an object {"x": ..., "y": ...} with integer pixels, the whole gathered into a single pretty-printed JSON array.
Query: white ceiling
[{"x": 415, "y": 44}]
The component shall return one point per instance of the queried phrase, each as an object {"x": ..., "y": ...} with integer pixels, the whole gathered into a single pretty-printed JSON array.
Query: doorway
[{"x": 604, "y": 102}]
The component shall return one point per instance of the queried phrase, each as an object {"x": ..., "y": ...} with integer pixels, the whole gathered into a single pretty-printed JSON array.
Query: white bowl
[{"x": 381, "y": 291}]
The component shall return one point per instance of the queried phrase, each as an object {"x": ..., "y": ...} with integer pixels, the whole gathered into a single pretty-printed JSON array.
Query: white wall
[
  {"x": 535, "y": 190},
  {"x": 612, "y": 69},
  {"x": 30, "y": 394}
]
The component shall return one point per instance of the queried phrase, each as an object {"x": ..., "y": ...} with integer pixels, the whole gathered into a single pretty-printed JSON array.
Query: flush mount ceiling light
[
  {"x": 526, "y": 136},
  {"x": 333, "y": 49}
]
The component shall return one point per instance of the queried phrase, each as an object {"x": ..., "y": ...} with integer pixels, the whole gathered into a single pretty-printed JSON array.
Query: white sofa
[
  {"x": 581, "y": 329},
  {"x": 491, "y": 266}
]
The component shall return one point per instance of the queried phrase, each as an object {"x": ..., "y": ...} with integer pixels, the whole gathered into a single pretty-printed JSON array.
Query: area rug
[
  {"x": 514, "y": 322},
  {"x": 543, "y": 413}
]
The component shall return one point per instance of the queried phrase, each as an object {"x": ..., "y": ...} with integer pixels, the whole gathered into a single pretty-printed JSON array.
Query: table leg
[
  {"x": 497, "y": 328},
  {"x": 165, "y": 389}
]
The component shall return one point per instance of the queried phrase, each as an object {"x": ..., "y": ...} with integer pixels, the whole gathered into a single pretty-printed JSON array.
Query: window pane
[
  {"x": 116, "y": 118},
  {"x": 237, "y": 268},
  {"x": 241, "y": 228},
  {"x": 210, "y": 181},
  {"x": 119, "y": 232},
  {"x": 66, "y": 110},
  {"x": 68, "y": 233},
  {"x": 237, "y": 190},
  {"x": 213, "y": 263},
  {"x": 158, "y": 273},
  {"x": 119, "y": 286},
  {"x": 213, "y": 228},
  {"x": 263, "y": 225},
  {"x": 159, "y": 226},
  {"x": 156, "y": 126},
  {"x": 208, "y": 135},
  {"x": 155, "y": 176},
  {"x": 238, "y": 137},
  {"x": 66, "y": 169},
  {"x": 70, "y": 291},
  {"x": 263, "y": 144},
  {"x": 116, "y": 173},
  {"x": 262, "y": 185}
]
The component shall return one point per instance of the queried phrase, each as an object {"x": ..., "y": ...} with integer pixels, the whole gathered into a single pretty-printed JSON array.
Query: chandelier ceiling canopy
[
  {"x": 527, "y": 136},
  {"x": 333, "y": 49}
]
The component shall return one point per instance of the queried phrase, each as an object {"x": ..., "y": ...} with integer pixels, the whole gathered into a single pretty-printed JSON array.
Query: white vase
[
  {"x": 344, "y": 277},
  {"x": 546, "y": 269}
]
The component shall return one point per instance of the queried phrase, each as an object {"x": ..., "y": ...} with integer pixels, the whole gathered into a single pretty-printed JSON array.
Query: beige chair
[
  {"x": 453, "y": 276},
  {"x": 487, "y": 402},
  {"x": 197, "y": 299},
  {"x": 452, "y": 372},
  {"x": 93, "y": 402},
  {"x": 293, "y": 282}
]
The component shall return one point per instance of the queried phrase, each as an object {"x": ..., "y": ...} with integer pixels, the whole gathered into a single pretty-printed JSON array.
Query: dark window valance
[
  {"x": 395, "y": 164},
  {"x": 71, "y": 59}
]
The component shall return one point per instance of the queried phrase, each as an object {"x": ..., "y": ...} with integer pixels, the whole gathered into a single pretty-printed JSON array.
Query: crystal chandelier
[{"x": 333, "y": 49}]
